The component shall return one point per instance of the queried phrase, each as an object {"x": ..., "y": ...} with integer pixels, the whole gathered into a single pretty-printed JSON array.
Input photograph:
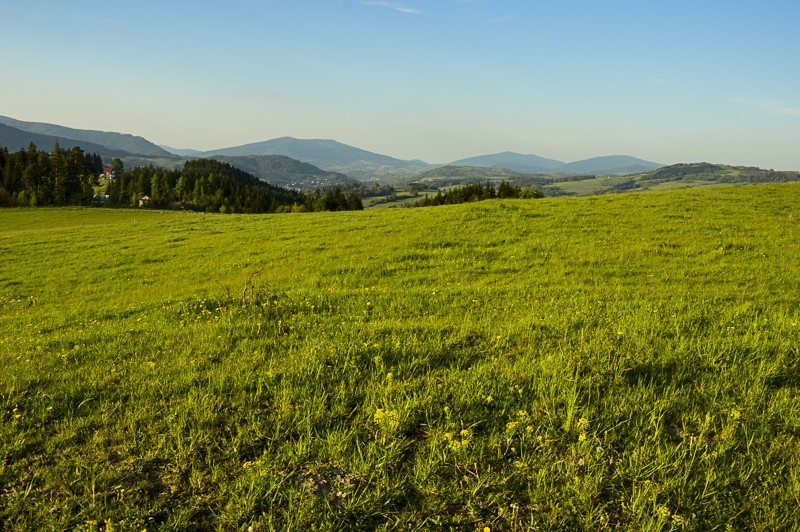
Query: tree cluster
[
  {"x": 717, "y": 173},
  {"x": 333, "y": 199},
  {"x": 375, "y": 190},
  {"x": 478, "y": 192},
  {"x": 37, "y": 178},
  {"x": 202, "y": 185},
  {"x": 209, "y": 185},
  {"x": 69, "y": 177}
]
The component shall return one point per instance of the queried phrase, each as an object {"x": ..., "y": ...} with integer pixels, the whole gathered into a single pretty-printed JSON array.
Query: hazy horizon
[{"x": 437, "y": 80}]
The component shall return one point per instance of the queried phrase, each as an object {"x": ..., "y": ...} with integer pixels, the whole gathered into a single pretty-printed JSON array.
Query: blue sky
[{"x": 437, "y": 80}]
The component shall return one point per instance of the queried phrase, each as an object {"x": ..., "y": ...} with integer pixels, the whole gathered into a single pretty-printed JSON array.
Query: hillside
[
  {"x": 684, "y": 175},
  {"x": 16, "y": 139},
  {"x": 719, "y": 173},
  {"x": 181, "y": 152},
  {"x": 113, "y": 142},
  {"x": 284, "y": 171},
  {"x": 203, "y": 185},
  {"x": 616, "y": 362},
  {"x": 450, "y": 175}
]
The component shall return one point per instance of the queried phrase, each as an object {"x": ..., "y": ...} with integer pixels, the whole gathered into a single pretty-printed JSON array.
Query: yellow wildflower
[
  {"x": 459, "y": 445},
  {"x": 388, "y": 420}
]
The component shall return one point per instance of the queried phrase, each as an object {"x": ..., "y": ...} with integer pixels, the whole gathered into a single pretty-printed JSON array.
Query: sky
[{"x": 437, "y": 80}]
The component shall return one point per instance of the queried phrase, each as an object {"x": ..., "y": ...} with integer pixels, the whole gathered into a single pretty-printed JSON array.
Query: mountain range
[
  {"x": 518, "y": 162},
  {"x": 334, "y": 161}
]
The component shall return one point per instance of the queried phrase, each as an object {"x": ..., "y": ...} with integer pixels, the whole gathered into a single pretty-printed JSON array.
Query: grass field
[{"x": 626, "y": 361}]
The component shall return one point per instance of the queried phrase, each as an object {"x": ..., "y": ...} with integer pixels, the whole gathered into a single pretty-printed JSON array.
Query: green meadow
[{"x": 610, "y": 362}]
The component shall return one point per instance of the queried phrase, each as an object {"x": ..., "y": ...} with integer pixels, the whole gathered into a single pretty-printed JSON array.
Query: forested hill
[
  {"x": 214, "y": 186},
  {"x": 203, "y": 185},
  {"x": 681, "y": 175},
  {"x": 720, "y": 173}
]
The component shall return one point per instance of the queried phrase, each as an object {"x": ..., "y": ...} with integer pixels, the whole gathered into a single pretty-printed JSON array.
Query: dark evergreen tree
[
  {"x": 477, "y": 192},
  {"x": 117, "y": 166},
  {"x": 354, "y": 203}
]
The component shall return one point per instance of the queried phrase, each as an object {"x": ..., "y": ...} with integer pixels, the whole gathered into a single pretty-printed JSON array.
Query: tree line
[
  {"x": 478, "y": 192},
  {"x": 202, "y": 185},
  {"x": 209, "y": 185},
  {"x": 38, "y": 178},
  {"x": 69, "y": 177}
]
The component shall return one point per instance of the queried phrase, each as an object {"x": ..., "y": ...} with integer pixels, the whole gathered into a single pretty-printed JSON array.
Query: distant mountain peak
[
  {"x": 327, "y": 154},
  {"x": 610, "y": 165},
  {"x": 517, "y": 162}
]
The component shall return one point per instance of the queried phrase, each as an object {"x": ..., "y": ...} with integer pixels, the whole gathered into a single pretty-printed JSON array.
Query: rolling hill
[
  {"x": 451, "y": 175},
  {"x": 721, "y": 173},
  {"x": 513, "y": 161},
  {"x": 627, "y": 362},
  {"x": 610, "y": 165},
  {"x": 683, "y": 175}
]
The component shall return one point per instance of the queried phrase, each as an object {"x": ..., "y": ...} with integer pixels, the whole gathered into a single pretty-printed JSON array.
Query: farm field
[
  {"x": 604, "y": 185},
  {"x": 627, "y": 361}
]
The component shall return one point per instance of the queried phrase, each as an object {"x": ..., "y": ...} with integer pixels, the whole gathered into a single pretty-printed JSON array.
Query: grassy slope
[
  {"x": 671, "y": 177},
  {"x": 626, "y": 360}
]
